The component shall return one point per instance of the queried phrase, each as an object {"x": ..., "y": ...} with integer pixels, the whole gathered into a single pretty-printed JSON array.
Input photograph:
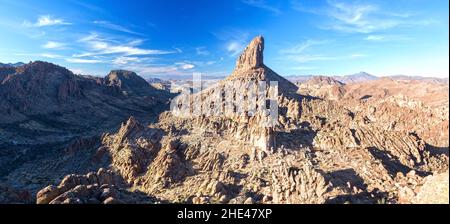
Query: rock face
[
  {"x": 252, "y": 57},
  {"x": 250, "y": 67},
  {"x": 5, "y": 71},
  {"x": 127, "y": 82}
]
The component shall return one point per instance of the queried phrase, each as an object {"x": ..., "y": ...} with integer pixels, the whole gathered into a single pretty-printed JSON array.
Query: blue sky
[{"x": 176, "y": 38}]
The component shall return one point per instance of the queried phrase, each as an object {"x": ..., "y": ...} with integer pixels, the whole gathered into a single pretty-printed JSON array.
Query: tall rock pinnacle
[{"x": 252, "y": 57}]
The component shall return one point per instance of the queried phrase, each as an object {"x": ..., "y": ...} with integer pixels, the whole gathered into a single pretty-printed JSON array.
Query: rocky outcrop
[
  {"x": 129, "y": 83},
  {"x": 131, "y": 149},
  {"x": 5, "y": 71},
  {"x": 294, "y": 185},
  {"x": 79, "y": 188},
  {"x": 169, "y": 166},
  {"x": 103, "y": 187},
  {"x": 252, "y": 57}
]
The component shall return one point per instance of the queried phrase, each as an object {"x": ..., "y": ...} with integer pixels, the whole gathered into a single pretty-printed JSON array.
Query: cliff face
[{"x": 253, "y": 55}]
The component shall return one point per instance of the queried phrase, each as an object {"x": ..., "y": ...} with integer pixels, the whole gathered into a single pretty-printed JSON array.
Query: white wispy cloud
[
  {"x": 262, "y": 4},
  {"x": 100, "y": 46},
  {"x": 178, "y": 50},
  {"x": 301, "y": 47},
  {"x": 201, "y": 51},
  {"x": 309, "y": 58},
  {"x": 116, "y": 27},
  {"x": 46, "y": 20},
  {"x": 303, "y": 68},
  {"x": 301, "y": 6},
  {"x": 44, "y": 55},
  {"x": 235, "y": 47},
  {"x": 235, "y": 39},
  {"x": 84, "y": 61},
  {"x": 375, "y": 37},
  {"x": 123, "y": 60},
  {"x": 48, "y": 55},
  {"x": 184, "y": 65},
  {"x": 54, "y": 45},
  {"x": 299, "y": 52},
  {"x": 360, "y": 17},
  {"x": 358, "y": 55},
  {"x": 304, "y": 52}
]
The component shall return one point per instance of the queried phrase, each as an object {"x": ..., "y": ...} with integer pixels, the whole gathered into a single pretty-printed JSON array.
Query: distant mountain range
[
  {"x": 346, "y": 79},
  {"x": 364, "y": 76},
  {"x": 354, "y": 78},
  {"x": 17, "y": 64}
]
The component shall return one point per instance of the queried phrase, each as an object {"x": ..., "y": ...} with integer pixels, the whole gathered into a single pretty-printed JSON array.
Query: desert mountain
[
  {"x": 43, "y": 98},
  {"x": 320, "y": 151},
  {"x": 17, "y": 64},
  {"x": 355, "y": 78},
  {"x": 346, "y": 79},
  {"x": 46, "y": 110}
]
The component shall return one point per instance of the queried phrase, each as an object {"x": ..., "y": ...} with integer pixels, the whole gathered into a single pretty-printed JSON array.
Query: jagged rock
[
  {"x": 103, "y": 187},
  {"x": 79, "y": 185},
  {"x": 169, "y": 166},
  {"x": 298, "y": 185},
  {"x": 252, "y": 57},
  {"x": 132, "y": 148}
]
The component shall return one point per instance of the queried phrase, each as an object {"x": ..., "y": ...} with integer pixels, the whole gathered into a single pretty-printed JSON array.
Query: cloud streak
[
  {"x": 301, "y": 47},
  {"x": 99, "y": 46},
  {"x": 46, "y": 20},
  {"x": 375, "y": 38},
  {"x": 262, "y": 4},
  {"x": 358, "y": 17},
  {"x": 116, "y": 27},
  {"x": 235, "y": 47},
  {"x": 201, "y": 51},
  {"x": 84, "y": 61},
  {"x": 54, "y": 45}
]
